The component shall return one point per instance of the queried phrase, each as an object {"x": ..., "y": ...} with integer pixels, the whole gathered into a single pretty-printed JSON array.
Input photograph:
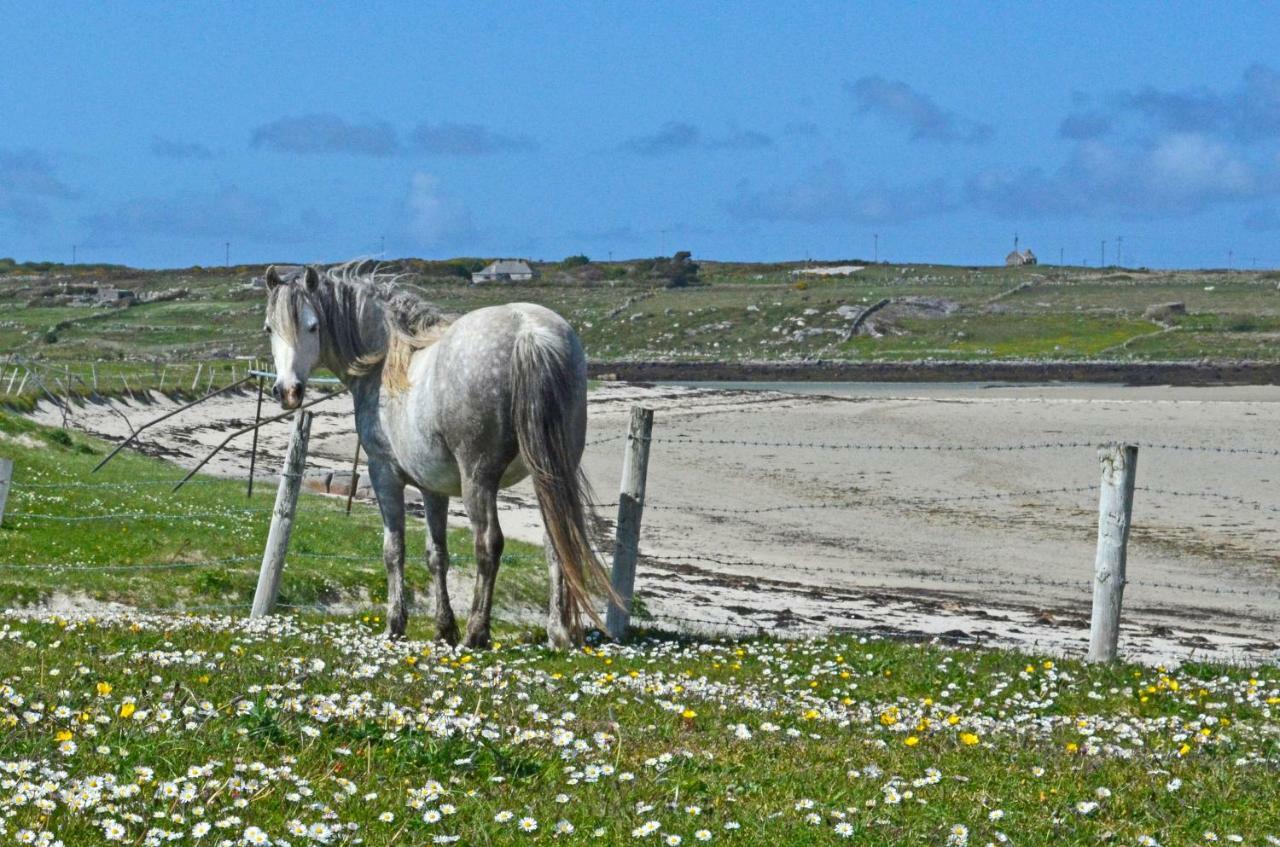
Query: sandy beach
[{"x": 839, "y": 532}]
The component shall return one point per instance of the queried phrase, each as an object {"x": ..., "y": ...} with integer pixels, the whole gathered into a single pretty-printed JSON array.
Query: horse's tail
[{"x": 548, "y": 388}]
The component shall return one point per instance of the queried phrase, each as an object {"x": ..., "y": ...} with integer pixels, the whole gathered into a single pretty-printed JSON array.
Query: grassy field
[
  {"x": 737, "y": 313},
  {"x": 62, "y": 541},
  {"x": 123, "y": 724}
]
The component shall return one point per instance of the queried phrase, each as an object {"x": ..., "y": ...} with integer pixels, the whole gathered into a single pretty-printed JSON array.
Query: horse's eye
[
  {"x": 267, "y": 330},
  {"x": 313, "y": 328}
]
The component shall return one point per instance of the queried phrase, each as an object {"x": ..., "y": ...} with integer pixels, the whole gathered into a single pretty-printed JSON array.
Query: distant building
[
  {"x": 505, "y": 270},
  {"x": 109, "y": 295},
  {"x": 1021, "y": 257}
]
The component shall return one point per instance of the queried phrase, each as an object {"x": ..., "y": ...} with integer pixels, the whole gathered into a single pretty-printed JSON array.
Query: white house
[{"x": 505, "y": 270}]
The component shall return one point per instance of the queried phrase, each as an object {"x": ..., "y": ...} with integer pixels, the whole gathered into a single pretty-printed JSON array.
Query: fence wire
[
  {"x": 958, "y": 448},
  {"x": 878, "y": 501},
  {"x": 978, "y": 580}
]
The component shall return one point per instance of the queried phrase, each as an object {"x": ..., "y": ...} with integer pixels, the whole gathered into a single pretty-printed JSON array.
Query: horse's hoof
[{"x": 477, "y": 641}]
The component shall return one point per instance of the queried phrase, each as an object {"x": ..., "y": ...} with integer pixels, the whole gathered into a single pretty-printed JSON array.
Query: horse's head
[{"x": 294, "y": 326}]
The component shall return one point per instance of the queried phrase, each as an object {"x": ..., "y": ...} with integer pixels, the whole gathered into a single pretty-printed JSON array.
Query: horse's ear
[
  {"x": 312, "y": 278},
  {"x": 273, "y": 278}
]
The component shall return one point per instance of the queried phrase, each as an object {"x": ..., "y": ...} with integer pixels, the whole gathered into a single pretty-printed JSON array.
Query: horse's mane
[{"x": 411, "y": 322}]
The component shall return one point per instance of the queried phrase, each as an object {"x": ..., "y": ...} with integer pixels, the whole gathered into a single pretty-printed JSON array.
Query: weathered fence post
[
  {"x": 264, "y": 599},
  {"x": 626, "y": 545},
  {"x": 253, "y": 454},
  {"x": 355, "y": 474},
  {"x": 1115, "y": 515},
  {"x": 6, "y": 479}
]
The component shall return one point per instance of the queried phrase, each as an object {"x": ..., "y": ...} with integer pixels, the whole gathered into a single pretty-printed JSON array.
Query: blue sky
[{"x": 152, "y": 133}]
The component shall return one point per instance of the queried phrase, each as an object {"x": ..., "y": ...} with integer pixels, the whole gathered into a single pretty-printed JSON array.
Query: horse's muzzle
[{"x": 290, "y": 397}]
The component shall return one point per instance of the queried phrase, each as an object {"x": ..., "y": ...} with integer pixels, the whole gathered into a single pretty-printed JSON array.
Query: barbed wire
[
  {"x": 958, "y": 448},
  {"x": 137, "y": 483},
  {"x": 823, "y": 445},
  {"x": 153, "y": 566},
  {"x": 1248, "y": 451},
  {"x": 454, "y": 559},
  {"x": 956, "y": 579},
  {"x": 879, "y": 501},
  {"x": 127, "y": 516},
  {"x": 1209, "y": 495}
]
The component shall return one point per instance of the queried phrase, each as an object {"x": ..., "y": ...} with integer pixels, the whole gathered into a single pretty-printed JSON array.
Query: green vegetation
[
  {"x": 123, "y": 725},
  {"x": 198, "y": 548},
  {"x": 660, "y": 309},
  {"x": 212, "y": 729}
]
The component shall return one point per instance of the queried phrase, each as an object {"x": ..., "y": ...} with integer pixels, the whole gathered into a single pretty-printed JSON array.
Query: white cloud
[{"x": 436, "y": 218}]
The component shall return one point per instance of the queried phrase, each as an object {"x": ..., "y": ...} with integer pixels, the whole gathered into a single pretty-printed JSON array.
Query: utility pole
[
  {"x": 1119, "y": 249},
  {"x": 875, "y": 256},
  {"x": 227, "y": 257},
  {"x": 1230, "y": 256},
  {"x": 1061, "y": 252},
  {"x": 382, "y": 246},
  {"x": 1015, "y": 242},
  {"x": 73, "y": 254}
]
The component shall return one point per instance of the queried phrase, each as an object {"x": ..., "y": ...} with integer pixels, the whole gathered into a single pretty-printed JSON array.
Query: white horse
[{"x": 457, "y": 407}]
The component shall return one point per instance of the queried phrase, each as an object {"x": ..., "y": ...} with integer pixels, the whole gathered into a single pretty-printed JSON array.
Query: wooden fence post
[
  {"x": 253, "y": 454},
  {"x": 626, "y": 545},
  {"x": 264, "y": 599},
  {"x": 6, "y": 480},
  {"x": 1115, "y": 515},
  {"x": 355, "y": 474}
]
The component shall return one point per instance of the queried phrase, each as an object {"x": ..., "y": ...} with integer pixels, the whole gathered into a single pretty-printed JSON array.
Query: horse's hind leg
[
  {"x": 437, "y": 507},
  {"x": 481, "y": 500},
  {"x": 559, "y": 624}
]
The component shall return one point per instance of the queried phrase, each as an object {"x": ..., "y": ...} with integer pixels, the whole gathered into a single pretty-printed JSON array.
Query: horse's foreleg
[
  {"x": 437, "y": 507},
  {"x": 390, "y": 491},
  {"x": 482, "y": 508},
  {"x": 559, "y": 625}
]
